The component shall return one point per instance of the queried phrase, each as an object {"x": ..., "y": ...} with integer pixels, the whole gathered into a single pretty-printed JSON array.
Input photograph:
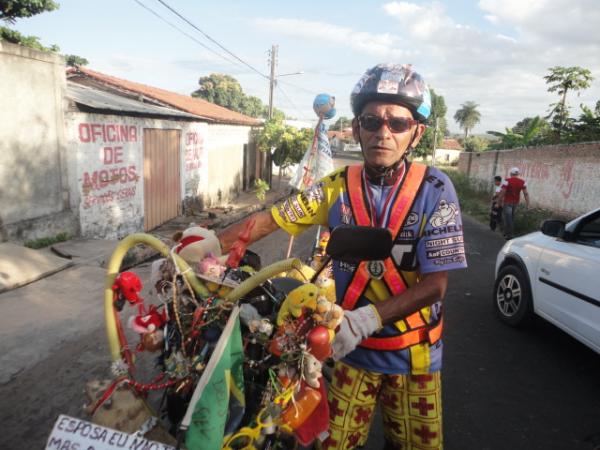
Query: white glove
[{"x": 357, "y": 325}]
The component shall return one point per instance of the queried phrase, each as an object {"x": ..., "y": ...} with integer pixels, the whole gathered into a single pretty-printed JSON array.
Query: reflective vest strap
[
  {"x": 404, "y": 200},
  {"x": 415, "y": 320},
  {"x": 392, "y": 278},
  {"x": 405, "y": 340},
  {"x": 355, "y": 194},
  {"x": 356, "y": 287}
]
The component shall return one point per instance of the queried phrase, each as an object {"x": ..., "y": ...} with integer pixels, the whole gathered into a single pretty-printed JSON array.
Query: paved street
[{"x": 503, "y": 388}]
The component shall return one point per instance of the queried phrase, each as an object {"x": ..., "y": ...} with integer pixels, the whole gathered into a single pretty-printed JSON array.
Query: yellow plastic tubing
[
  {"x": 114, "y": 266},
  {"x": 132, "y": 240}
]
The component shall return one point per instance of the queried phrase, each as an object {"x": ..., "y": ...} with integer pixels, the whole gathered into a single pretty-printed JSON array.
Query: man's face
[{"x": 383, "y": 147}]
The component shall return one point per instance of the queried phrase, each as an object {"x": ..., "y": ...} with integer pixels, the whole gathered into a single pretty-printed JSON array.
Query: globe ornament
[{"x": 324, "y": 106}]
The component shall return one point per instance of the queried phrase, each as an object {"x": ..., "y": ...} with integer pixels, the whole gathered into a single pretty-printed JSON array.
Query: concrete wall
[
  {"x": 225, "y": 162},
  {"x": 33, "y": 180},
  {"x": 106, "y": 165},
  {"x": 562, "y": 178}
]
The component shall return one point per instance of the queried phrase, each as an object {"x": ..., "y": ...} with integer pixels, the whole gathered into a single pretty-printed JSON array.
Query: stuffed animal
[
  {"x": 195, "y": 243},
  {"x": 311, "y": 370},
  {"x": 326, "y": 287},
  {"x": 328, "y": 314},
  {"x": 211, "y": 266},
  {"x": 304, "y": 296}
]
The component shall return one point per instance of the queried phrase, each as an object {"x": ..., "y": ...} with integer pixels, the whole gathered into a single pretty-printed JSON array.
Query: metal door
[{"x": 162, "y": 187}]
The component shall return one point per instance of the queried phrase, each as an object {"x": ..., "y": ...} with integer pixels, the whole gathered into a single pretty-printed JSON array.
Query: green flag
[{"x": 217, "y": 405}]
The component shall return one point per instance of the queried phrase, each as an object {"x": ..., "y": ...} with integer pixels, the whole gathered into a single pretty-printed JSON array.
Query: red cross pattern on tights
[
  {"x": 370, "y": 391},
  {"x": 341, "y": 377},
  {"x": 423, "y": 406},
  {"x": 425, "y": 433},
  {"x": 394, "y": 426},
  {"x": 422, "y": 380},
  {"x": 334, "y": 409},
  {"x": 389, "y": 399},
  {"x": 353, "y": 440},
  {"x": 329, "y": 443},
  {"x": 362, "y": 415}
]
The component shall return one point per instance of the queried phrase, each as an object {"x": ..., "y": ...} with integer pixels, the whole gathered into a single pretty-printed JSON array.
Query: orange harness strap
[{"x": 419, "y": 331}]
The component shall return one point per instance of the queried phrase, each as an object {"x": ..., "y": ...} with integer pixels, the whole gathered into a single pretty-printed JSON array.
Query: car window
[{"x": 589, "y": 233}]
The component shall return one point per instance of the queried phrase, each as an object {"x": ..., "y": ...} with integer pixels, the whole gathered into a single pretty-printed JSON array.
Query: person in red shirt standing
[{"x": 509, "y": 199}]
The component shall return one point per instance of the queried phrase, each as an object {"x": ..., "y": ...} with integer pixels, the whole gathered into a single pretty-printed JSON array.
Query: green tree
[
  {"x": 74, "y": 60},
  {"x": 224, "y": 90},
  {"x": 10, "y": 10},
  {"x": 438, "y": 111},
  {"x": 341, "y": 123},
  {"x": 587, "y": 127},
  {"x": 475, "y": 144},
  {"x": 289, "y": 143},
  {"x": 562, "y": 80},
  {"x": 13, "y": 36},
  {"x": 525, "y": 133},
  {"x": 467, "y": 117}
]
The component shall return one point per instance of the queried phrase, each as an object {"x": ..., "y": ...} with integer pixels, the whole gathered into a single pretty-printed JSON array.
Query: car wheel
[{"x": 512, "y": 296}]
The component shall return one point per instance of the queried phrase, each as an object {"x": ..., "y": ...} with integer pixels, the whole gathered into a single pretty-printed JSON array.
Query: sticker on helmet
[{"x": 387, "y": 87}]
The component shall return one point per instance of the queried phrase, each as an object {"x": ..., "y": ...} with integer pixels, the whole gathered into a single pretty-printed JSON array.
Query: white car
[{"x": 554, "y": 273}]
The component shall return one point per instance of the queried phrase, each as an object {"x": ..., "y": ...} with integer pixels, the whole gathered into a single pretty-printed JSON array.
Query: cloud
[
  {"x": 502, "y": 71},
  {"x": 382, "y": 45}
]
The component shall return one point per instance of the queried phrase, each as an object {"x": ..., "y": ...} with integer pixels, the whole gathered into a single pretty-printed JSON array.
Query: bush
[{"x": 47, "y": 241}]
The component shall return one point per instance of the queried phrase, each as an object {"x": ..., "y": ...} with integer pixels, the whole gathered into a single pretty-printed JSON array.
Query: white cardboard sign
[{"x": 70, "y": 433}]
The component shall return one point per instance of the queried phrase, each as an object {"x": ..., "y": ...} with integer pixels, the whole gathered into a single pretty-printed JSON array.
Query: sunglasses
[{"x": 371, "y": 122}]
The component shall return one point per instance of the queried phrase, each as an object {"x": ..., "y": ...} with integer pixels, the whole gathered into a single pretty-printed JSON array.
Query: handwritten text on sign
[{"x": 76, "y": 434}]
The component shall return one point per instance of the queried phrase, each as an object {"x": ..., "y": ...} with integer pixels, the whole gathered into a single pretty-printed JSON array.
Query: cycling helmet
[{"x": 393, "y": 83}]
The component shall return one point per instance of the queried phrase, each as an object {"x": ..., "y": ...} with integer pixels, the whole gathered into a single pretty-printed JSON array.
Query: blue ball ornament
[{"x": 324, "y": 106}]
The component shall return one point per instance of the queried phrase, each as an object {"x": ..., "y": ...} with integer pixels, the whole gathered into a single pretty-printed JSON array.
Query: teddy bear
[
  {"x": 194, "y": 243},
  {"x": 311, "y": 370},
  {"x": 329, "y": 315},
  {"x": 304, "y": 296}
]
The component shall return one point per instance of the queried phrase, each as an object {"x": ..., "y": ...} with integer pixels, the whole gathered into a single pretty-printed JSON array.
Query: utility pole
[
  {"x": 272, "y": 81},
  {"x": 435, "y": 132}
]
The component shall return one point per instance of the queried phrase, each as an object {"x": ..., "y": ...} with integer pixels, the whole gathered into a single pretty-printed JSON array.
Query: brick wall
[{"x": 562, "y": 178}]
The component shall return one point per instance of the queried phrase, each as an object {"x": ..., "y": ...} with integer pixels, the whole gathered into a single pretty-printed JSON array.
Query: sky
[{"x": 492, "y": 52}]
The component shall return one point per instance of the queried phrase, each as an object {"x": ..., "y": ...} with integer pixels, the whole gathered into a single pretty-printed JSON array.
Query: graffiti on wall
[
  {"x": 194, "y": 149},
  {"x": 116, "y": 179}
]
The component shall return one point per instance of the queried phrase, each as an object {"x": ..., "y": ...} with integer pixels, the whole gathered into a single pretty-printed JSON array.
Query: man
[
  {"x": 388, "y": 346},
  {"x": 496, "y": 209},
  {"x": 509, "y": 200}
]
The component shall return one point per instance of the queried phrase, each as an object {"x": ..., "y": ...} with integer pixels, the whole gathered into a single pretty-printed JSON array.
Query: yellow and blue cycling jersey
[{"x": 429, "y": 240}]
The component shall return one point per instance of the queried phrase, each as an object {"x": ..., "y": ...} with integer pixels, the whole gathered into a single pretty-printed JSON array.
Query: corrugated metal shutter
[{"x": 162, "y": 193}]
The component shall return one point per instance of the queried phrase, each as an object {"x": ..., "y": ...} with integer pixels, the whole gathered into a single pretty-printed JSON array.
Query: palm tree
[
  {"x": 467, "y": 116},
  {"x": 562, "y": 80}
]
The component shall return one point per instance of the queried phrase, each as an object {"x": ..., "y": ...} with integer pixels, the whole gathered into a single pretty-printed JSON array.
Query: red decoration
[
  {"x": 238, "y": 249},
  {"x": 318, "y": 342}
]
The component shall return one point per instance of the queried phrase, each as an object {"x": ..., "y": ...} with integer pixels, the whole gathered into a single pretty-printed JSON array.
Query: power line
[
  {"x": 289, "y": 100},
  {"x": 211, "y": 39},
  {"x": 184, "y": 33},
  {"x": 297, "y": 87}
]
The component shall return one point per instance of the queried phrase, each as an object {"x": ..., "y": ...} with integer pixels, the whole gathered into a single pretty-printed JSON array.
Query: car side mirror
[
  {"x": 353, "y": 244},
  {"x": 553, "y": 227}
]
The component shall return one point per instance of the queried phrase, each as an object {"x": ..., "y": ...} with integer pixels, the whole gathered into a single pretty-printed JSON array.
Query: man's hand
[{"x": 357, "y": 325}]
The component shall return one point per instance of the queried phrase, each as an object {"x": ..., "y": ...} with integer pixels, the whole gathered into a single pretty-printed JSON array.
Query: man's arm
[
  {"x": 430, "y": 289},
  {"x": 501, "y": 197},
  {"x": 264, "y": 224},
  {"x": 526, "y": 195}
]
